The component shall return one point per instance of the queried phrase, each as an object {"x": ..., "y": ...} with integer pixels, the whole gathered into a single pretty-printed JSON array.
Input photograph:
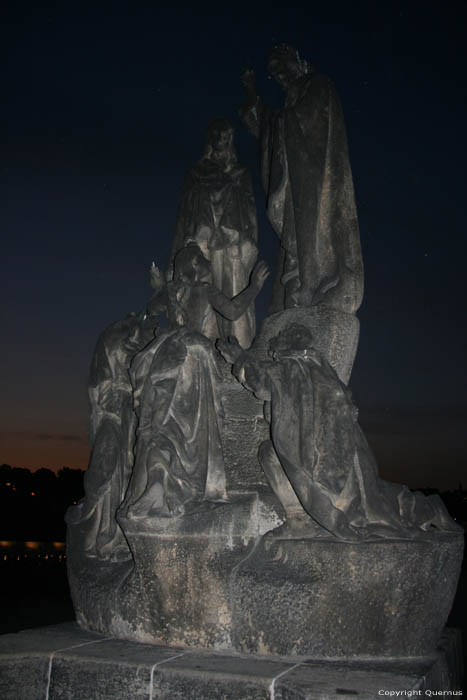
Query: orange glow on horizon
[{"x": 35, "y": 454}]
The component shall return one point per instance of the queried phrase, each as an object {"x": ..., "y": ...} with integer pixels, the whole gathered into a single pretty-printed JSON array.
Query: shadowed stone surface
[
  {"x": 337, "y": 599},
  {"x": 82, "y": 666},
  {"x": 25, "y": 658},
  {"x": 212, "y": 579},
  {"x": 244, "y": 428},
  {"x": 178, "y": 590},
  {"x": 335, "y": 335}
]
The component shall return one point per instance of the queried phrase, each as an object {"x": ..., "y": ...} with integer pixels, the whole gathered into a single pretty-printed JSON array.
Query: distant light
[
  {"x": 32, "y": 493},
  {"x": 58, "y": 545},
  {"x": 32, "y": 545},
  {"x": 5, "y": 543}
]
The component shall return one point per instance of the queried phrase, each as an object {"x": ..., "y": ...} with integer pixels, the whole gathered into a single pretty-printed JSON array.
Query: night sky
[{"x": 103, "y": 112}]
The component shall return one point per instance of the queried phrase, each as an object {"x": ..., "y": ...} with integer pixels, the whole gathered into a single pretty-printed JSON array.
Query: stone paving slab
[{"x": 63, "y": 662}]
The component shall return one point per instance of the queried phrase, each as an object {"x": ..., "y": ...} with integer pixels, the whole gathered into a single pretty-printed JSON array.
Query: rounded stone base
[{"x": 215, "y": 580}]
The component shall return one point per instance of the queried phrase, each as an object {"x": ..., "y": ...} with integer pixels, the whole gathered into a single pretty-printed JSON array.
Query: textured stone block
[
  {"x": 110, "y": 669},
  {"x": 26, "y": 658},
  {"x": 338, "y": 599}
]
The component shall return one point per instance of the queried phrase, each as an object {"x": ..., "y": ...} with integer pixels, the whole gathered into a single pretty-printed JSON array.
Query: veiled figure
[
  {"x": 308, "y": 184},
  {"x": 179, "y": 462},
  {"x": 217, "y": 212},
  {"x": 112, "y": 433},
  {"x": 318, "y": 462}
]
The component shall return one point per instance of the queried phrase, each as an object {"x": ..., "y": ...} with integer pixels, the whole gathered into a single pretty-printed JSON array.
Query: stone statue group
[{"x": 157, "y": 416}]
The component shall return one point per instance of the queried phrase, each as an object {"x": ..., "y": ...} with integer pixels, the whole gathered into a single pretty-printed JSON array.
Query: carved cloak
[
  {"x": 179, "y": 458},
  {"x": 308, "y": 184},
  {"x": 326, "y": 457}
]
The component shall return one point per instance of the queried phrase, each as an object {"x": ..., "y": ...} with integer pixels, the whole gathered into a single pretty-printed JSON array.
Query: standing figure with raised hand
[{"x": 308, "y": 185}]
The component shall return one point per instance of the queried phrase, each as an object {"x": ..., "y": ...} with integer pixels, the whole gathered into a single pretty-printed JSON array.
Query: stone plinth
[
  {"x": 63, "y": 662},
  {"x": 213, "y": 580}
]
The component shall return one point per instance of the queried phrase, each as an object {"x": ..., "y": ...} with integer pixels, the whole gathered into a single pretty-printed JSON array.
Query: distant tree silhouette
[{"x": 33, "y": 504}]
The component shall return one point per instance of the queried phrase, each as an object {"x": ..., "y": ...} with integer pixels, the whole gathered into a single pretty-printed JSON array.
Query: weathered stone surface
[
  {"x": 337, "y": 599},
  {"x": 91, "y": 667},
  {"x": 25, "y": 658},
  {"x": 212, "y": 580},
  {"x": 195, "y": 676},
  {"x": 112, "y": 669},
  {"x": 243, "y": 430},
  {"x": 335, "y": 334},
  {"x": 177, "y": 591}
]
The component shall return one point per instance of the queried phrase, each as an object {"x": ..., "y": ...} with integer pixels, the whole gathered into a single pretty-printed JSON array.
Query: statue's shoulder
[{"x": 316, "y": 83}]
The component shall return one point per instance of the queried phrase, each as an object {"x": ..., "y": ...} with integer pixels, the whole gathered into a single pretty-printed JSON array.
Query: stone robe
[
  {"x": 308, "y": 184},
  {"x": 217, "y": 212},
  {"x": 179, "y": 461},
  {"x": 112, "y": 433},
  {"x": 324, "y": 454}
]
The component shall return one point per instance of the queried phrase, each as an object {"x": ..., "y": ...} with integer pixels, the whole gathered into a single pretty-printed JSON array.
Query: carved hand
[
  {"x": 156, "y": 277},
  {"x": 259, "y": 274},
  {"x": 230, "y": 350}
]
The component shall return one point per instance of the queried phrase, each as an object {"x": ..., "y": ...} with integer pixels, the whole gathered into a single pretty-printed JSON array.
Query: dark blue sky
[{"x": 105, "y": 109}]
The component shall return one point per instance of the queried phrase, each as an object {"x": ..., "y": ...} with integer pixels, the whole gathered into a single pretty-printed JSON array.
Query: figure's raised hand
[
  {"x": 230, "y": 350},
  {"x": 260, "y": 274},
  {"x": 156, "y": 277}
]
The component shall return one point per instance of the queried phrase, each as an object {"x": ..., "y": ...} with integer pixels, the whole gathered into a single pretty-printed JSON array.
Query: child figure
[{"x": 193, "y": 299}]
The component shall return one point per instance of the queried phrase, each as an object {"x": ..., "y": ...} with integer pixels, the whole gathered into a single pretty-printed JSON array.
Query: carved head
[
  {"x": 286, "y": 66},
  {"x": 294, "y": 339},
  {"x": 219, "y": 142},
  {"x": 190, "y": 265}
]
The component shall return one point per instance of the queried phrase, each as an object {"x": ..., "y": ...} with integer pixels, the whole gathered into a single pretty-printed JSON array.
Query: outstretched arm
[
  {"x": 249, "y": 372},
  {"x": 232, "y": 309}
]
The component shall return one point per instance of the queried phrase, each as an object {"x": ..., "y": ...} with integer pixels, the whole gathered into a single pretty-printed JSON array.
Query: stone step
[{"x": 63, "y": 662}]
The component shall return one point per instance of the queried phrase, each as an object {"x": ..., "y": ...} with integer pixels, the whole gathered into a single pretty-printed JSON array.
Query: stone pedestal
[
  {"x": 213, "y": 579},
  {"x": 64, "y": 662}
]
